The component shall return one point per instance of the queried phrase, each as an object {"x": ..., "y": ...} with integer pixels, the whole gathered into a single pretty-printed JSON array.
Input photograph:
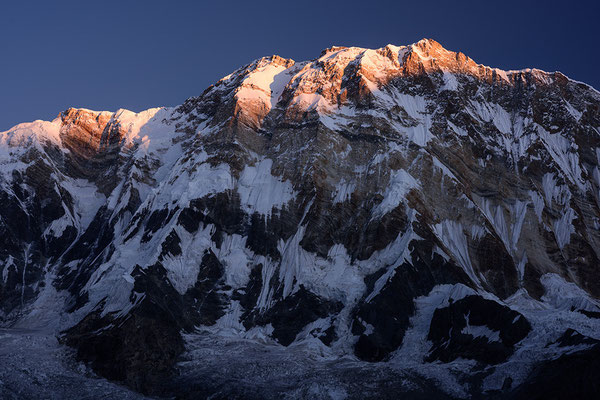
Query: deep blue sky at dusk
[{"x": 106, "y": 55}]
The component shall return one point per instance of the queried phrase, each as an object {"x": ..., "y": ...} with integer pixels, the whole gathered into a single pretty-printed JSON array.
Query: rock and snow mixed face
[{"x": 339, "y": 201}]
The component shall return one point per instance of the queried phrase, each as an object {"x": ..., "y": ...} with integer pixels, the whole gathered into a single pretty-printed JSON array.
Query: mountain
[{"x": 366, "y": 224}]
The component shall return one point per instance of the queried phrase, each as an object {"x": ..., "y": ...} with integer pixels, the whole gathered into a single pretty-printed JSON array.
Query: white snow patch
[
  {"x": 538, "y": 204},
  {"x": 58, "y": 226},
  {"x": 563, "y": 227},
  {"x": 565, "y": 295},
  {"x": 452, "y": 235},
  {"x": 202, "y": 179},
  {"x": 415, "y": 346},
  {"x": 450, "y": 81},
  {"x": 183, "y": 269},
  {"x": 260, "y": 191},
  {"x": 459, "y": 131},
  {"x": 332, "y": 278},
  {"x": 400, "y": 183},
  {"x": 87, "y": 199},
  {"x": 229, "y": 324},
  {"x": 564, "y": 154},
  {"x": 343, "y": 191},
  {"x": 6, "y": 266},
  {"x": 438, "y": 164},
  {"x": 310, "y": 102},
  {"x": 390, "y": 257},
  {"x": 236, "y": 259},
  {"x": 477, "y": 231},
  {"x": 480, "y": 331},
  {"x": 265, "y": 84},
  {"x": 573, "y": 111}
]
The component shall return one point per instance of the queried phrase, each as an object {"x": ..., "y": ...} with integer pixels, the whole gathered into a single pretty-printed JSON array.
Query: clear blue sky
[{"x": 106, "y": 55}]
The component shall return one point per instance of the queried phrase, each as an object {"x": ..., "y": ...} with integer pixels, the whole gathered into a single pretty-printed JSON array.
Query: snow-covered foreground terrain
[
  {"x": 33, "y": 365},
  {"x": 258, "y": 367},
  {"x": 222, "y": 363},
  {"x": 255, "y": 370}
]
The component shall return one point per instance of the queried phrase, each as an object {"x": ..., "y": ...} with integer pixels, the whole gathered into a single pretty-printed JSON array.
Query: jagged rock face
[
  {"x": 83, "y": 131},
  {"x": 341, "y": 200}
]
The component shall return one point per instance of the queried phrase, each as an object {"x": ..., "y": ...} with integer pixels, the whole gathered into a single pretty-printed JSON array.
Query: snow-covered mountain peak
[
  {"x": 344, "y": 76},
  {"x": 88, "y": 132},
  {"x": 356, "y": 203},
  {"x": 90, "y": 129}
]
